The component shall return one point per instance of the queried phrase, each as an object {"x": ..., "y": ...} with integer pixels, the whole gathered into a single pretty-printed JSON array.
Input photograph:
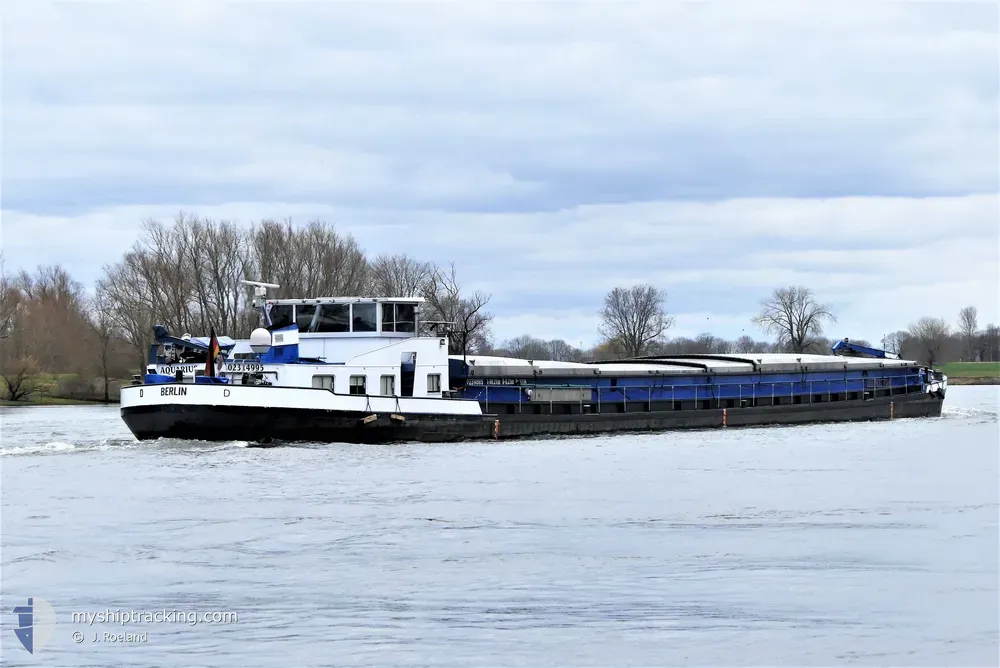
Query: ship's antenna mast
[{"x": 259, "y": 301}]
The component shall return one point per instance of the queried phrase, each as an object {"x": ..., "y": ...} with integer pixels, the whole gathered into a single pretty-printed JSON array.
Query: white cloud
[
  {"x": 551, "y": 150},
  {"x": 705, "y": 95}
]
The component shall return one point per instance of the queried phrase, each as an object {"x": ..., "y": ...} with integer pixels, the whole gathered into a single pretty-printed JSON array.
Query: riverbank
[
  {"x": 973, "y": 381},
  {"x": 65, "y": 389},
  {"x": 972, "y": 373},
  {"x": 57, "y": 401}
]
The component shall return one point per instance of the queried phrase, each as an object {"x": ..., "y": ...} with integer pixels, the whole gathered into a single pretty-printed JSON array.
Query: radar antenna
[{"x": 259, "y": 291}]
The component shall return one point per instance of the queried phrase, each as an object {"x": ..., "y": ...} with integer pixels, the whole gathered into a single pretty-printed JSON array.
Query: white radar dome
[{"x": 260, "y": 340}]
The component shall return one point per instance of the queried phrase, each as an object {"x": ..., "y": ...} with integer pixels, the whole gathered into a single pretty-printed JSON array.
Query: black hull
[{"x": 270, "y": 425}]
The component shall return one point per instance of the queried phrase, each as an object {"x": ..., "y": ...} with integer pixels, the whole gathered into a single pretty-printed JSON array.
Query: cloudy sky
[{"x": 553, "y": 151}]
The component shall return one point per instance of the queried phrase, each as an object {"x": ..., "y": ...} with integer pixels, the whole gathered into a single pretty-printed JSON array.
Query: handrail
[
  {"x": 619, "y": 388},
  {"x": 864, "y": 386}
]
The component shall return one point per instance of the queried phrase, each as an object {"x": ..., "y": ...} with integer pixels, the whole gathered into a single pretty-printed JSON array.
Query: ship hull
[{"x": 296, "y": 421}]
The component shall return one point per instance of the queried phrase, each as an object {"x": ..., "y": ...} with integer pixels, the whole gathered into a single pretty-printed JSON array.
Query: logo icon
[{"x": 35, "y": 623}]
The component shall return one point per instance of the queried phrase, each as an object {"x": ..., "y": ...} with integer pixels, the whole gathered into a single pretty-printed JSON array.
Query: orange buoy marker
[
  {"x": 723, "y": 417},
  {"x": 496, "y": 429}
]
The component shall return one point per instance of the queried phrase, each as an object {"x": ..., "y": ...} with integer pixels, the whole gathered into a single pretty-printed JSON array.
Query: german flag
[{"x": 213, "y": 354}]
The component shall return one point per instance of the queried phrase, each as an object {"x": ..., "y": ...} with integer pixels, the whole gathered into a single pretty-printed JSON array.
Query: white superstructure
[{"x": 351, "y": 345}]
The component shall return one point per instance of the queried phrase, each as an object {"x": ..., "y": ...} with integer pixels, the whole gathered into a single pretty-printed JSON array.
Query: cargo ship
[{"x": 367, "y": 370}]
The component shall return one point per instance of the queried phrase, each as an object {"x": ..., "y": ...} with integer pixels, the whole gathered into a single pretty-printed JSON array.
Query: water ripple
[{"x": 808, "y": 545}]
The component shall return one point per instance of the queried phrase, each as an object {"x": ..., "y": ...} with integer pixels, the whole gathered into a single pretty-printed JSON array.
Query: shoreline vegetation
[
  {"x": 959, "y": 373},
  {"x": 972, "y": 373},
  {"x": 68, "y": 389}
]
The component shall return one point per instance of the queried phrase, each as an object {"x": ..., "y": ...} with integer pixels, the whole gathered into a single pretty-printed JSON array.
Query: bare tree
[
  {"x": 17, "y": 369},
  {"x": 217, "y": 256},
  {"x": 893, "y": 342},
  {"x": 711, "y": 344},
  {"x": 634, "y": 317},
  {"x": 102, "y": 325},
  {"x": 166, "y": 275},
  {"x": 529, "y": 347},
  {"x": 50, "y": 323},
  {"x": 131, "y": 307},
  {"x": 312, "y": 261},
  {"x": 794, "y": 317},
  {"x": 609, "y": 349},
  {"x": 561, "y": 351},
  {"x": 526, "y": 347},
  {"x": 20, "y": 377},
  {"x": 332, "y": 264},
  {"x": 468, "y": 319},
  {"x": 271, "y": 244},
  {"x": 10, "y": 299},
  {"x": 400, "y": 276},
  {"x": 930, "y": 335},
  {"x": 989, "y": 343},
  {"x": 744, "y": 344},
  {"x": 968, "y": 325}
]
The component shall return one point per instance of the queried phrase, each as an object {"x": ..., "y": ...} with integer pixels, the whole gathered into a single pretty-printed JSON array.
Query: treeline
[
  {"x": 917, "y": 345},
  {"x": 53, "y": 337},
  {"x": 186, "y": 275},
  {"x": 634, "y": 322},
  {"x": 935, "y": 341},
  {"x": 529, "y": 347}
]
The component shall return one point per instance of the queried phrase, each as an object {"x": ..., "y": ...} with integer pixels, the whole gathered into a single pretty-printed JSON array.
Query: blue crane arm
[{"x": 848, "y": 349}]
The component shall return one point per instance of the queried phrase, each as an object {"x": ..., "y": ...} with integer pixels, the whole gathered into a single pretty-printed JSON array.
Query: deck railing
[{"x": 719, "y": 392}]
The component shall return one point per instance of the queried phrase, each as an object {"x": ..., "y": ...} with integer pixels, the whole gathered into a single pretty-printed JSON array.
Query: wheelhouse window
[
  {"x": 365, "y": 319},
  {"x": 281, "y": 316},
  {"x": 433, "y": 383},
  {"x": 334, "y": 318},
  {"x": 399, "y": 318},
  {"x": 389, "y": 385},
  {"x": 304, "y": 317},
  {"x": 323, "y": 382},
  {"x": 358, "y": 385}
]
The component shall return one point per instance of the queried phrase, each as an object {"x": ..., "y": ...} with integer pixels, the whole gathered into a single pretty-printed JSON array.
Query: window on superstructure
[
  {"x": 388, "y": 385},
  {"x": 281, "y": 316},
  {"x": 398, "y": 318},
  {"x": 334, "y": 318},
  {"x": 364, "y": 318},
  {"x": 304, "y": 316},
  {"x": 433, "y": 383},
  {"x": 406, "y": 318},
  {"x": 358, "y": 385},
  {"x": 388, "y": 318},
  {"x": 323, "y": 382}
]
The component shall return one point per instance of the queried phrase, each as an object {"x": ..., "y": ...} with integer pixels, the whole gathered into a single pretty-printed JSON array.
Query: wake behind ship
[{"x": 358, "y": 370}]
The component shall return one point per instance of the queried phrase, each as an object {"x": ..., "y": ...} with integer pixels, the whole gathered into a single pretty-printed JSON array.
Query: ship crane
[{"x": 847, "y": 349}]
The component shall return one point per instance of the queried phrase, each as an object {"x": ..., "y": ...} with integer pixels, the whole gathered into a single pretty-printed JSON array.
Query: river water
[{"x": 866, "y": 544}]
